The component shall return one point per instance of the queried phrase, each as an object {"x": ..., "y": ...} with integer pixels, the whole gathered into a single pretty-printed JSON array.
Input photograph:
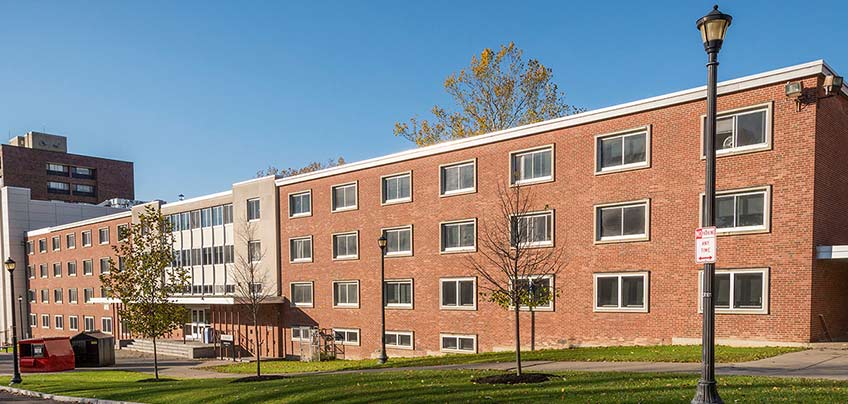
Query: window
[
  {"x": 42, "y": 245},
  {"x": 123, "y": 232},
  {"x": 86, "y": 238},
  {"x": 54, "y": 187},
  {"x": 301, "y": 293},
  {"x": 185, "y": 221},
  {"x": 42, "y": 270},
  {"x": 105, "y": 266},
  {"x": 459, "y": 343},
  {"x": 533, "y": 229},
  {"x": 31, "y": 296},
  {"x": 254, "y": 250},
  {"x": 218, "y": 253},
  {"x": 300, "y": 204},
  {"x": 541, "y": 289},
  {"x": 742, "y": 131},
  {"x": 741, "y": 211},
  {"x": 229, "y": 254},
  {"x": 84, "y": 190},
  {"x": 206, "y": 217},
  {"x": 397, "y": 188},
  {"x": 399, "y": 339},
  {"x": 346, "y": 336},
  {"x": 301, "y": 249},
  {"x": 346, "y": 294},
  {"x": 33, "y": 320},
  {"x": 622, "y": 222},
  {"x": 228, "y": 213},
  {"x": 626, "y": 291},
  {"x": 195, "y": 219},
  {"x": 459, "y": 236},
  {"x": 87, "y": 267},
  {"x": 55, "y": 243},
  {"x": 73, "y": 323},
  {"x": 207, "y": 255},
  {"x": 72, "y": 268},
  {"x": 622, "y": 151},
  {"x": 71, "y": 241},
  {"x": 83, "y": 172},
  {"x": 344, "y": 197},
  {"x": 30, "y": 273},
  {"x": 29, "y": 248},
  {"x": 103, "y": 235},
  {"x": 57, "y": 270},
  {"x": 301, "y": 334},
  {"x": 459, "y": 293},
  {"x": 399, "y": 293},
  {"x": 346, "y": 246},
  {"x": 57, "y": 169},
  {"x": 398, "y": 241},
  {"x": 45, "y": 296},
  {"x": 217, "y": 215},
  {"x": 59, "y": 322},
  {"x": 532, "y": 166},
  {"x": 106, "y": 325},
  {"x": 459, "y": 178},
  {"x": 73, "y": 295},
  {"x": 45, "y": 321},
  {"x": 87, "y": 295},
  {"x": 253, "y": 209},
  {"x": 88, "y": 322},
  {"x": 742, "y": 291}
]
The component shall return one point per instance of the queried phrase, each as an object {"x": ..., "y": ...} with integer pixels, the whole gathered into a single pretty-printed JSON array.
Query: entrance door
[{"x": 198, "y": 323}]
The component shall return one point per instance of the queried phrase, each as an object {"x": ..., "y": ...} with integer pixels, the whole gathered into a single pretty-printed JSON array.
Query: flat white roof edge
[
  {"x": 679, "y": 97},
  {"x": 93, "y": 220},
  {"x": 198, "y": 198}
]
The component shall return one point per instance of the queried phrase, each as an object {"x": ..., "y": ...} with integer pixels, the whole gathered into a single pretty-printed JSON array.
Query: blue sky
[{"x": 203, "y": 94}]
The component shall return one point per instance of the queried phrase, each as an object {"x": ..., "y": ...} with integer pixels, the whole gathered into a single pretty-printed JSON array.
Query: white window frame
[
  {"x": 457, "y": 336},
  {"x": 248, "y": 210},
  {"x": 33, "y": 320},
  {"x": 71, "y": 323},
  {"x": 766, "y": 145},
  {"x": 646, "y": 279},
  {"x": 57, "y": 319},
  {"x": 312, "y": 294},
  {"x": 71, "y": 236},
  {"x": 646, "y": 130},
  {"x": 765, "y": 228},
  {"x": 383, "y": 200},
  {"x": 333, "y": 246},
  {"x": 514, "y": 181},
  {"x": 551, "y": 283},
  {"x": 108, "y": 236},
  {"x": 93, "y": 324},
  {"x": 82, "y": 237},
  {"x": 537, "y": 244},
  {"x": 409, "y": 253},
  {"x": 461, "y": 191},
  {"x": 411, "y": 336},
  {"x": 311, "y": 250},
  {"x": 454, "y": 250},
  {"x": 301, "y": 329},
  {"x": 291, "y": 206},
  {"x": 91, "y": 262},
  {"x": 645, "y": 236},
  {"x": 355, "y": 206},
  {"x": 57, "y": 245},
  {"x": 404, "y": 306},
  {"x": 733, "y": 271},
  {"x": 103, "y": 325},
  {"x": 346, "y": 331},
  {"x": 347, "y": 305},
  {"x": 456, "y": 281},
  {"x": 45, "y": 317}
]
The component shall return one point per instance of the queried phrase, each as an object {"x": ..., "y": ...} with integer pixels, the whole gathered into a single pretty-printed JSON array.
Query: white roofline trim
[
  {"x": 94, "y": 220},
  {"x": 743, "y": 83},
  {"x": 197, "y": 199}
]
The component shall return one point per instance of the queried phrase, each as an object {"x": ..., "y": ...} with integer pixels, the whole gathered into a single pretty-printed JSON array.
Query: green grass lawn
[
  {"x": 660, "y": 353},
  {"x": 433, "y": 386}
]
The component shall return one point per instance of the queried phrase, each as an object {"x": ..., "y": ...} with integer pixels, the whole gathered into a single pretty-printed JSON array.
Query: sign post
[{"x": 705, "y": 245}]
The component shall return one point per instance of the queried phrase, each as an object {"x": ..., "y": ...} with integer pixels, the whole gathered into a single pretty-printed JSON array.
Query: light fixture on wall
[
  {"x": 795, "y": 90},
  {"x": 832, "y": 85}
]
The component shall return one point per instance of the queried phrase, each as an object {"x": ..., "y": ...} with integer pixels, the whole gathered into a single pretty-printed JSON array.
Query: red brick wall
[
  {"x": 237, "y": 320},
  {"x": 673, "y": 183}
]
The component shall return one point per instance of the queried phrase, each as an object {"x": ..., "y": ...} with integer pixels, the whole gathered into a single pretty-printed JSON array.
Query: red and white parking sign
[{"x": 705, "y": 245}]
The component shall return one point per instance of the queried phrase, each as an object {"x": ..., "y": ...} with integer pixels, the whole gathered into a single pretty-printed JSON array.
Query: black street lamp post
[
  {"x": 24, "y": 329},
  {"x": 713, "y": 27},
  {"x": 382, "y": 243},
  {"x": 16, "y": 375}
]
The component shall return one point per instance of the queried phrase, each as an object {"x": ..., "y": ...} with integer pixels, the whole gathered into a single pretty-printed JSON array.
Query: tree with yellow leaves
[{"x": 499, "y": 90}]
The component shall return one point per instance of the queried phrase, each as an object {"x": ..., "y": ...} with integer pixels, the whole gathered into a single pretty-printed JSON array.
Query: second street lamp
[
  {"x": 713, "y": 27},
  {"x": 382, "y": 243},
  {"x": 16, "y": 375}
]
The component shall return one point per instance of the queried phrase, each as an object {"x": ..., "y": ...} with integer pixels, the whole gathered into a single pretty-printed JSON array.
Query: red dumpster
[{"x": 53, "y": 354}]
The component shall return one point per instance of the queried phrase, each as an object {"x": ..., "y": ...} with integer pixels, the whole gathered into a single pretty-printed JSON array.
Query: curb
[{"x": 54, "y": 397}]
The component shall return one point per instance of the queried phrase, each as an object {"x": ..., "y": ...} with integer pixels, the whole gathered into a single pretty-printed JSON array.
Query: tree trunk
[
  {"x": 155, "y": 361},
  {"x": 517, "y": 342},
  {"x": 532, "y": 329},
  {"x": 258, "y": 354}
]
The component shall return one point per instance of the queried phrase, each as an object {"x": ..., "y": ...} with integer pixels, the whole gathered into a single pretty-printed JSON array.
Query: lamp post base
[
  {"x": 707, "y": 393},
  {"x": 382, "y": 359}
]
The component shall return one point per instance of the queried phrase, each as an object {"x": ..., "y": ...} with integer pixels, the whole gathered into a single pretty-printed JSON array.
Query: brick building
[{"x": 618, "y": 189}]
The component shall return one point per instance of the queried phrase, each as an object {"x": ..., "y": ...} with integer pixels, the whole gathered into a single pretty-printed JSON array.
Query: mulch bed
[
  {"x": 512, "y": 378},
  {"x": 258, "y": 378}
]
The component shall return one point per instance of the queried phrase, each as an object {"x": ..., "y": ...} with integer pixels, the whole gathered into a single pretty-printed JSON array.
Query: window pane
[
  {"x": 450, "y": 235},
  {"x": 632, "y": 291},
  {"x": 449, "y": 293},
  {"x": 724, "y": 133},
  {"x": 611, "y": 154},
  {"x": 634, "y": 148},
  {"x": 466, "y": 235},
  {"x": 748, "y": 291},
  {"x": 350, "y": 195},
  {"x": 404, "y": 187},
  {"x": 634, "y": 220},
  {"x": 749, "y": 209},
  {"x": 724, "y": 212},
  {"x": 751, "y": 128},
  {"x": 404, "y": 340},
  {"x": 466, "y": 293},
  {"x": 608, "y": 292},
  {"x": 610, "y": 222},
  {"x": 449, "y": 343},
  {"x": 722, "y": 291},
  {"x": 450, "y": 178},
  {"x": 467, "y": 176},
  {"x": 466, "y": 344}
]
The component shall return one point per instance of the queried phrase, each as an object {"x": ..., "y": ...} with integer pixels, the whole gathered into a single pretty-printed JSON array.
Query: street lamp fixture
[
  {"x": 713, "y": 27},
  {"x": 382, "y": 242},
  {"x": 16, "y": 375}
]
